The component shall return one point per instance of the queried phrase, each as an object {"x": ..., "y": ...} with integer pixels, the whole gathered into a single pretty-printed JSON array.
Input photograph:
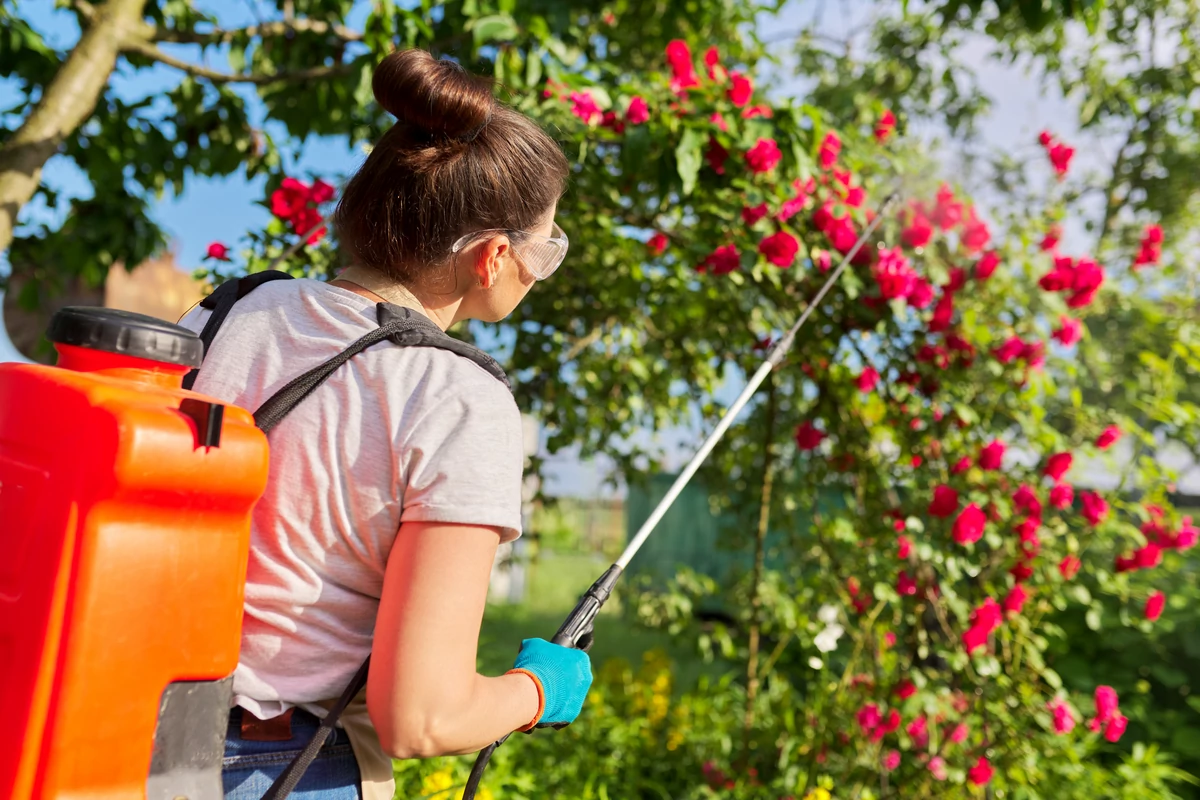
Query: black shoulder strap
[
  {"x": 294, "y": 771},
  {"x": 221, "y": 301},
  {"x": 402, "y": 326}
]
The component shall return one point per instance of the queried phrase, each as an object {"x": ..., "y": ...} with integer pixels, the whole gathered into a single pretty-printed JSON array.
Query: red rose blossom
[
  {"x": 981, "y": 773},
  {"x": 1062, "y": 495},
  {"x": 830, "y": 147},
  {"x": 763, "y": 156},
  {"x": 218, "y": 251},
  {"x": 752, "y": 214},
  {"x": 968, "y": 526},
  {"x": 960, "y": 466},
  {"x": 893, "y": 274},
  {"x": 1015, "y": 601},
  {"x": 947, "y": 212},
  {"x": 919, "y": 230},
  {"x": 986, "y": 265},
  {"x": 1057, "y": 466},
  {"x": 1069, "y": 331},
  {"x": 943, "y": 312},
  {"x": 740, "y": 90},
  {"x": 637, "y": 112},
  {"x": 1064, "y": 720},
  {"x": 1154, "y": 605},
  {"x": 657, "y": 244},
  {"x": 679, "y": 56},
  {"x": 885, "y": 126},
  {"x": 780, "y": 249},
  {"x": 975, "y": 234},
  {"x": 867, "y": 379},
  {"x": 1107, "y": 437},
  {"x": 809, "y": 437},
  {"x": 945, "y": 501},
  {"x": 992, "y": 455},
  {"x": 1095, "y": 508},
  {"x": 903, "y": 547},
  {"x": 723, "y": 260}
]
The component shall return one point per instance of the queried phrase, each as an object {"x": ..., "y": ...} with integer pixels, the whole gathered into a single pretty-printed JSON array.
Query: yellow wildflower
[{"x": 819, "y": 793}]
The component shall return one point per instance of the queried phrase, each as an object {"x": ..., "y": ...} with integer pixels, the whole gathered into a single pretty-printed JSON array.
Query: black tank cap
[{"x": 126, "y": 333}]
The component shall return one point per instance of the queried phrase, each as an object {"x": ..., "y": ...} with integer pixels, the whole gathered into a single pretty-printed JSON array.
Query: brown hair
[{"x": 456, "y": 161}]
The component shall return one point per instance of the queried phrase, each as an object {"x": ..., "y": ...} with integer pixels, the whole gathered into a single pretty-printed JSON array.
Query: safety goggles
[{"x": 541, "y": 255}]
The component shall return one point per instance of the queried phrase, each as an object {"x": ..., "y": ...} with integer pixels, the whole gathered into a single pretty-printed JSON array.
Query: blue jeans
[{"x": 249, "y": 768}]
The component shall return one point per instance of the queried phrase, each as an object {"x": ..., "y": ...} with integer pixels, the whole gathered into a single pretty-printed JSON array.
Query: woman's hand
[{"x": 563, "y": 676}]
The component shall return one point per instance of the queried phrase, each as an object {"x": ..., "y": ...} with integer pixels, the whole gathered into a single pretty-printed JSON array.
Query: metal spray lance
[{"x": 576, "y": 630}]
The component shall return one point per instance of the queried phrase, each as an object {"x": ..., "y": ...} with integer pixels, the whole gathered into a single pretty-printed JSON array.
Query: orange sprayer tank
[{"x": 124, "y": 523}]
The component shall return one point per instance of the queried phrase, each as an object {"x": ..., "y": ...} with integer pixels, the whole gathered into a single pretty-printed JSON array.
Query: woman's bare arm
[{"x": 424, "y": 695}]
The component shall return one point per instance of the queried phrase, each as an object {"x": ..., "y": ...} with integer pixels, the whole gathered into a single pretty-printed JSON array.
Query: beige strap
[{"x": 374, "y": 765}]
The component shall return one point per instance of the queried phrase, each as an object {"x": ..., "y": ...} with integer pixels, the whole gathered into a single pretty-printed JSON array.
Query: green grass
[{"x": 555, "y": 583}]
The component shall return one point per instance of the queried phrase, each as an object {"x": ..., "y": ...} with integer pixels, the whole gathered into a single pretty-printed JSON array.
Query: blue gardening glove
[{"x": 563, "y": 675}]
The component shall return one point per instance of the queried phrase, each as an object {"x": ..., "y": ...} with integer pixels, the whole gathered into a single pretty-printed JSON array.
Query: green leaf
[
  {"x": 1093, "y": 618},
  {"x": 533, "y": 68},
  {"x": 688, "y": 158},
  {"x": 493, "y": 28}
]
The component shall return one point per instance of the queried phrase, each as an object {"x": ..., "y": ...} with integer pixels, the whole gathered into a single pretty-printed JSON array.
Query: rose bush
[{"x": 936, "y": 395}]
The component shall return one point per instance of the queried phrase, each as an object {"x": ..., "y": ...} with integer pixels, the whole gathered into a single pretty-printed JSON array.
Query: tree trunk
[
  {"x": 65, "y": 104},
  {"x": 760, "y": 540}
]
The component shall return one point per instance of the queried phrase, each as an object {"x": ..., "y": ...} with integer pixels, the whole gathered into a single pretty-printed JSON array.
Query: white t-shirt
[{"x": 397, "y": 434}]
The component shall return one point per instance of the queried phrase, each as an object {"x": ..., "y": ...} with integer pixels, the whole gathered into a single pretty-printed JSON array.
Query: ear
[{"x": 488, "y": 261}]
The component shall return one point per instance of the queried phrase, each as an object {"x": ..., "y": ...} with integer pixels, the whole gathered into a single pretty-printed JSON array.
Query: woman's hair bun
[{"x": 434, "y": 95}]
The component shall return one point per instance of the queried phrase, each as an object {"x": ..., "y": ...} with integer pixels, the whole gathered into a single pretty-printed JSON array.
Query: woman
[{"x": 392, "y": 484}]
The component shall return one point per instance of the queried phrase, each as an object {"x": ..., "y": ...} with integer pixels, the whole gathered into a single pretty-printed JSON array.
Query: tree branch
[
  {"x": 152, "y": 52},
  {"x": 65, "y": 103},
  {"x": 152, "y": 33}
]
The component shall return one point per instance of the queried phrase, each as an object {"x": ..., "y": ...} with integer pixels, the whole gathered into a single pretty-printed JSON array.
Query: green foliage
[{"x": 627, "y": 338}]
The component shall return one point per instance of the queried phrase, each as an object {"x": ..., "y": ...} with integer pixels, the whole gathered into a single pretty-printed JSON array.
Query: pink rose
[{"x": 891, "y": 760}]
